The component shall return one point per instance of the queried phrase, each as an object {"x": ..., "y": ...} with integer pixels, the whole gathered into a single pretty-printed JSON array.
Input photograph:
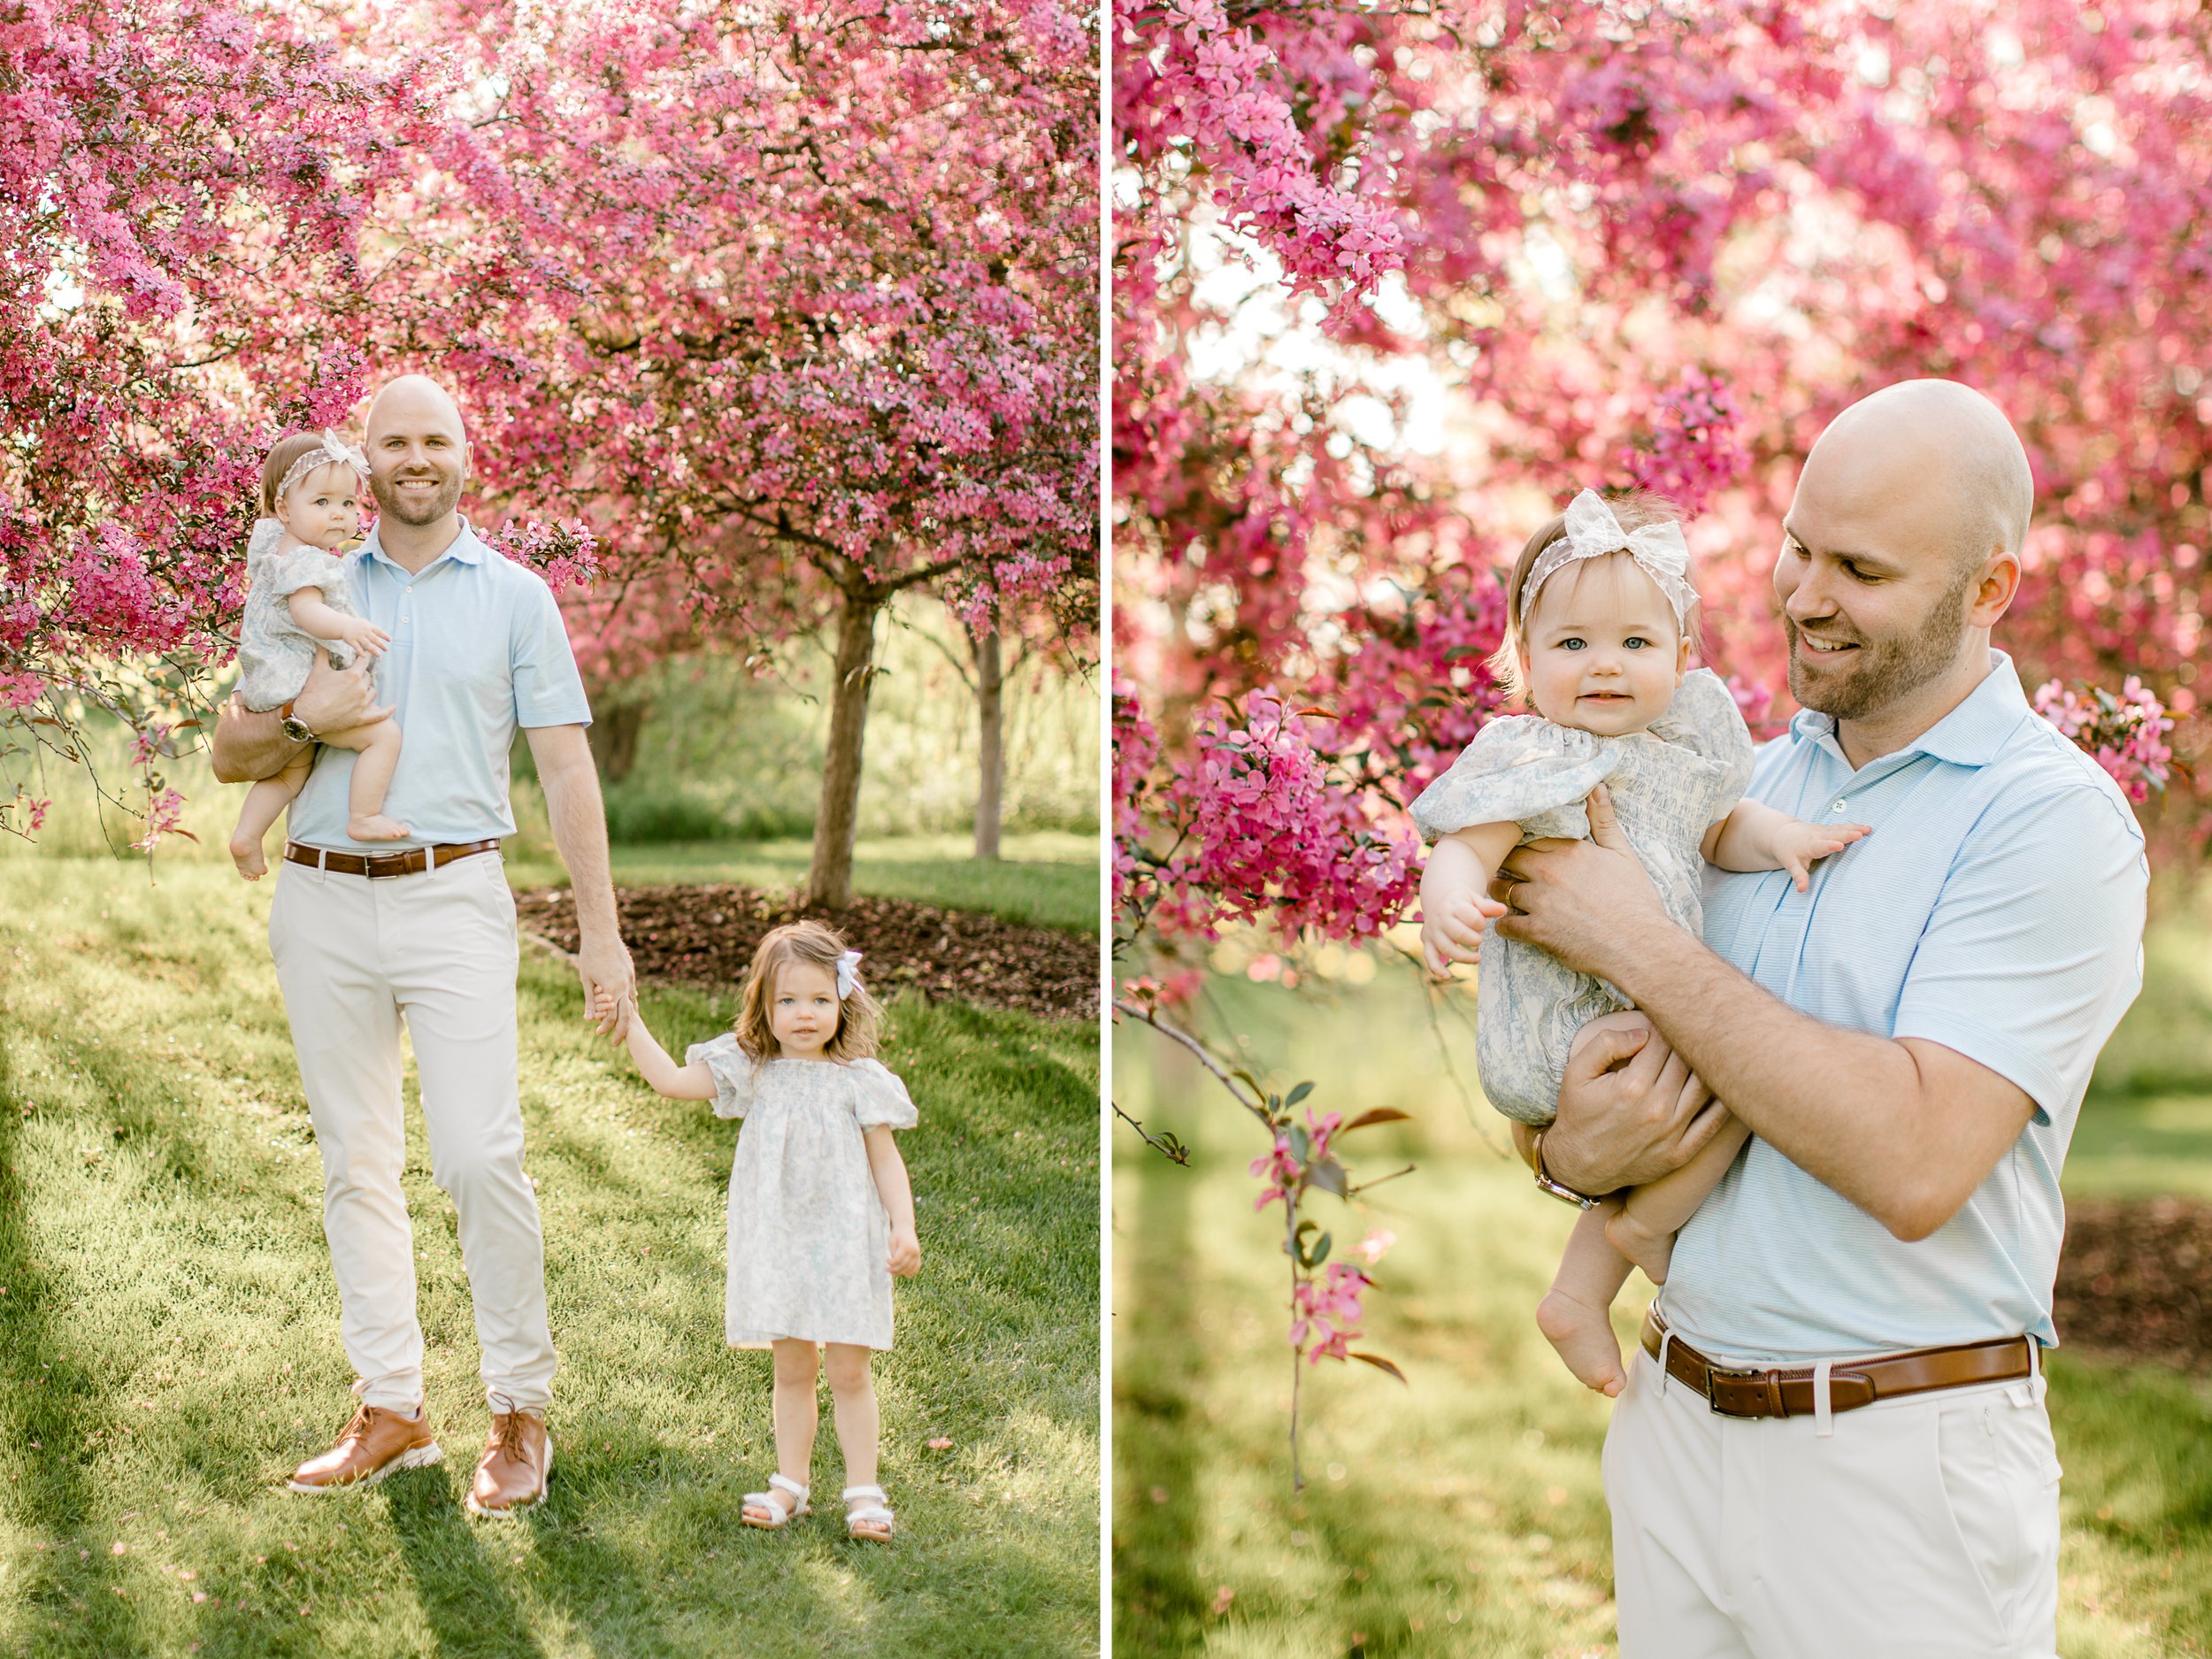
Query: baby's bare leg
[
  {"x": 1644, "y": 1228},
  {"x": 1575, "y": 1315},
  {"x": 377, "y": 747},
  {"x": 266, "y": 802}
]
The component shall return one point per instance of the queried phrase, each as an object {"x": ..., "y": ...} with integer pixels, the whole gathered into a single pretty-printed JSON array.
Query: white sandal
[
  {"x": 767, "y": 1501},
  {"x": 867, "y": 1514}
]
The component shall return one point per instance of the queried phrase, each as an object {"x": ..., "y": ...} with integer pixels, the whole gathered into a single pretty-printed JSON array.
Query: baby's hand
[
  {"x": 1451, "y": 929},
  {"x": 906, "y": 1253},
  {"x": 364, "y": 636},
  {"x": 1798, "y": 846}
]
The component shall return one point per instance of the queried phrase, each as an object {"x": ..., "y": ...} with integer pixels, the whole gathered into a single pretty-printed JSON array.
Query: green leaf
[
  {"x": 1320, "y": 1251},
  {"x": 1299, "y": 1094},
  {"x": 1301, "y": 1143},
  {"x": 1328, "y": 1175}
]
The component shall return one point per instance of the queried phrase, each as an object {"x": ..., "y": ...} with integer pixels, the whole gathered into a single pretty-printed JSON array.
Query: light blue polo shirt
[
  {"x": 478, "y": 648},
  {"x": 1996, "y": 909}
]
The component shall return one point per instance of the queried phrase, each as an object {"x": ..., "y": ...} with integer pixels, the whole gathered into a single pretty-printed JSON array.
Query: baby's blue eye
[
  {"x": 1635, "y": 642},
  {"x": 1571, "y": 645}
]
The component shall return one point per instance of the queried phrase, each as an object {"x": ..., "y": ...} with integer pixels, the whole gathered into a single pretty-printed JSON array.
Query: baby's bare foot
[
  {"x": 374, "y": 826},
  {"x": 1651, "y": 1251},
  {"x": 247, "y": 855},
  {"x": 1584, "y": 1338}
]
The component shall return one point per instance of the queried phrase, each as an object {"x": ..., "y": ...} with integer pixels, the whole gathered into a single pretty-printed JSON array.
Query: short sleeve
[
  {"x": 2034, "y": 947},
  {"x": 733, "y": 1072},
  {"x": 1704, "y": 719},
  {"x": 266, "y": 533},
  {"x": 881, "y": 1101},
  {"x": 307, "y": 567},
  {"x": 548, "y": 691},
  {"x": 1519, "y": 767}
]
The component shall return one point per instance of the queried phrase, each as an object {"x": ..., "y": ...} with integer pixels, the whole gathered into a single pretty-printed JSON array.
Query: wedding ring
[{"x": 1512, "y": 893}]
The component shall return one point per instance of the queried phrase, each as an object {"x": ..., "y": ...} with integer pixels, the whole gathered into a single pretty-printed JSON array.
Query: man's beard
[
  {"x": 1891, "y": 670},
  {"x": 443, "y": 502}
]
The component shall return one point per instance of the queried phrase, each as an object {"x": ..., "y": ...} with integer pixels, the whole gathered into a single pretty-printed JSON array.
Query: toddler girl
[
  {"x": 296, "y": 604},
  {"x": 1598, "y": 639},
  {"x": 820, "y": 1212}
]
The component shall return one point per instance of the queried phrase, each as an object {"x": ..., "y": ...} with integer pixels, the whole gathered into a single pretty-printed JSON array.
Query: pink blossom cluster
[
  {"x": 1326, "y": 1312},
  {"x": 567, "y": 554},
  {"x": 2125, "y": 734},
  {"x": 1692, "y": 452},
  {"x": 1281, "y": 1167}
]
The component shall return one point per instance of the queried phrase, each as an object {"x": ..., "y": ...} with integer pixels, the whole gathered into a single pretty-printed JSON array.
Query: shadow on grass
[
  {"x": 1161, "y": 1446},
  {"x": 46, "y": 1400},
  {"x": 465, "y": 1602}
]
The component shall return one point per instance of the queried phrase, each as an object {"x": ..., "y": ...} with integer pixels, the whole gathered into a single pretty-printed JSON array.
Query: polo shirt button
[{"x": 1835, "y": 806}]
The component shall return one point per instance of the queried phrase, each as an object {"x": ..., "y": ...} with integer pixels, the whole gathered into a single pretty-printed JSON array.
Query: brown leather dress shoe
[
  {"x": 517, "y": 1463},
  {"x": 376, "y": 1442}
]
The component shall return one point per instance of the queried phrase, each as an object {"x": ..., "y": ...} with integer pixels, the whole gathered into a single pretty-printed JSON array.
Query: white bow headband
[
  {"x": 330, "y": 449},
  {"x": 1593, "y": 532},
  {"x": 848, "y": 973}
]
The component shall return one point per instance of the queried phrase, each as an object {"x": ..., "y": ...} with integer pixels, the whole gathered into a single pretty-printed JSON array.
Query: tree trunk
[
  {"x": 614, "y": 735},
  {"x": 990, "y": 681},
  {"x": 829, "y": 881}
]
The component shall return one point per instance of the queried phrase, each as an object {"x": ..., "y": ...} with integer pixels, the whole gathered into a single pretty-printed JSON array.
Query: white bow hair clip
[
  {"x": 1593, "y": 532},
  {"x": 329, "y": 448},
  {"x": 848, "y": 974}
]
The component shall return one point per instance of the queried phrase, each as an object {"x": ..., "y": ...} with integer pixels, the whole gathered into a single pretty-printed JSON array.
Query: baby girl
[
  {"x": 297, "y": 605},
  {"x": 1599, "y": 636}
]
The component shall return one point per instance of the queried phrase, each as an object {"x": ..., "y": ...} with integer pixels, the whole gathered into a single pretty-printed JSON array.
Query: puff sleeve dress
[
  {"x": 809, "y": 1238},
  {"x": 1669, "y": 783},
  {"x": 274, "y": 652}
]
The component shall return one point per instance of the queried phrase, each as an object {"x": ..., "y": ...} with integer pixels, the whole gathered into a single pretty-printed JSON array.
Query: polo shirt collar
[
  {"x": 468, "y": 547},
  {"x": 1969, "y": 735}
]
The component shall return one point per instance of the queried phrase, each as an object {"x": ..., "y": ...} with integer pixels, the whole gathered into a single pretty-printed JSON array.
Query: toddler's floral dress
[
  {"x": 1669, "y": 783},
  {"x": 274, "y": 652},
  {"x": 809, "y": 1238}
]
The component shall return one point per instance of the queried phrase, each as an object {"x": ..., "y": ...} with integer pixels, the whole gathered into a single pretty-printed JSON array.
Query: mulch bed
[
  {"x": 2133, "y": 1279},
  {"x": 706, "y": 935}
]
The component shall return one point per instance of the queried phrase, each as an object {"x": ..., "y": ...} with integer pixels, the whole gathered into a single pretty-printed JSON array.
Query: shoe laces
[{"x": 508, "y": 1429}]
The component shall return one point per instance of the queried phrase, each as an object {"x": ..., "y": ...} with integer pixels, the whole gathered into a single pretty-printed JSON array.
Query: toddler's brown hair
[{"x": 859, "y": 1017}]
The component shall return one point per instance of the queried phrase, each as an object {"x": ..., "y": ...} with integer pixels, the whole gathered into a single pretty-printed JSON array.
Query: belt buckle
[
  {"x": 395, "y": 864},
  {"x": 1715, "y": 1374}
]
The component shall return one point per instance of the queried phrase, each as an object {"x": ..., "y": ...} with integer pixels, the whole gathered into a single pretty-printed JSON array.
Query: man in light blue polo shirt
[
  {"x": 1834, "y": 1440},
  {"x": 367, "y": 936}
]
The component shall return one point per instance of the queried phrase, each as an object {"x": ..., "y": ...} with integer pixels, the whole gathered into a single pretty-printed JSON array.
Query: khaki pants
[
  {"x": 1920, "y": 1528},
  {"x": 353, "y": 957}
]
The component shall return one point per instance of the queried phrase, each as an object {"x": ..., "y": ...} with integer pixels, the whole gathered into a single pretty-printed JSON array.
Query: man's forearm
[
  {"x": 248, "y": 747},
  {"x": 1846, "y": 1107},
  {"x": 579, "y": 833}
]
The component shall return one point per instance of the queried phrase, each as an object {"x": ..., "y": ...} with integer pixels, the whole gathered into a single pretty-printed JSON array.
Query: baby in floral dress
[{"x": 1598, "y": 640}]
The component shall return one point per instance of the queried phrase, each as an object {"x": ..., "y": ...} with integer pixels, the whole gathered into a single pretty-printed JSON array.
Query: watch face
[{"x": 296, "y": 730}]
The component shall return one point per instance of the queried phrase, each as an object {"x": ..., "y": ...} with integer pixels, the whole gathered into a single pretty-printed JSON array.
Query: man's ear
[{"x": 1994, "y": 593}]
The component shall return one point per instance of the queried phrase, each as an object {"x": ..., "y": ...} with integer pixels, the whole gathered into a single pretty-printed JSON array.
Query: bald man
[
  {"x": 367, "y": 937},
  {"x": 1833, "y": 1440}
]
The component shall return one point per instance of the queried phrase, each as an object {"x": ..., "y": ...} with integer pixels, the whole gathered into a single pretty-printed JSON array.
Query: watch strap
[{"x": 1545, "y": 1182}]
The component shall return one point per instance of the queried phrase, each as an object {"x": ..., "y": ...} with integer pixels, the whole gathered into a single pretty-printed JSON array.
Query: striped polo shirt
[{"x": 1996, "y": 909}]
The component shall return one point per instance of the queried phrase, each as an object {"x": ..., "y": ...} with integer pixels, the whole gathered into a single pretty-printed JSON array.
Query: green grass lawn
[
  {"x": 1048, "y": 877},
  {"x": 1463, "y": 1514},
  {"x": 169, "y": 1335}
]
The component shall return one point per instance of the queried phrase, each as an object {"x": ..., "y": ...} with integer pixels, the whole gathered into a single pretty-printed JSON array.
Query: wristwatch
[
  {"x": 292, "y": 726},
  {"x": 1557, "y": 1189}
]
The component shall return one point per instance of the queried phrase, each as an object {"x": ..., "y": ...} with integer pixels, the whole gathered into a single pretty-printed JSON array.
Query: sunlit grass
[
  {"x": 169, "y": 1335},
  {"x": 1463, "y": 1514}
]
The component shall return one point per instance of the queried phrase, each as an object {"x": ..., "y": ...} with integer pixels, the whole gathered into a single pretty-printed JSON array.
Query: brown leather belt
[
  {"x": 1851, "y": 1382},
  {"x": 413, "y": 862}
]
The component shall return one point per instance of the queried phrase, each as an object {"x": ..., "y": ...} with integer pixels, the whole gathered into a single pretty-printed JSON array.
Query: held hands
[
  {"x": 906, "y": 1252},
  {"x": 1798, "y": 846},
  {"x": 610, "y": 986}
]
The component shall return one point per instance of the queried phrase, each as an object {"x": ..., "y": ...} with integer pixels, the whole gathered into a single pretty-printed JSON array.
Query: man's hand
[
  {"x": 338, "y": 699},
  {"x": 609, "y": 986},
  {"x": 1630, "y": 1110},
  {"x": 1585, "y": 903}
]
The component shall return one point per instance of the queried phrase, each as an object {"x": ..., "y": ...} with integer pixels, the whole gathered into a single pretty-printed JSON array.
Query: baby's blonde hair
[
  {"x": 1634, "y": 508},
  {"x": 859, "y": 1017}
]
